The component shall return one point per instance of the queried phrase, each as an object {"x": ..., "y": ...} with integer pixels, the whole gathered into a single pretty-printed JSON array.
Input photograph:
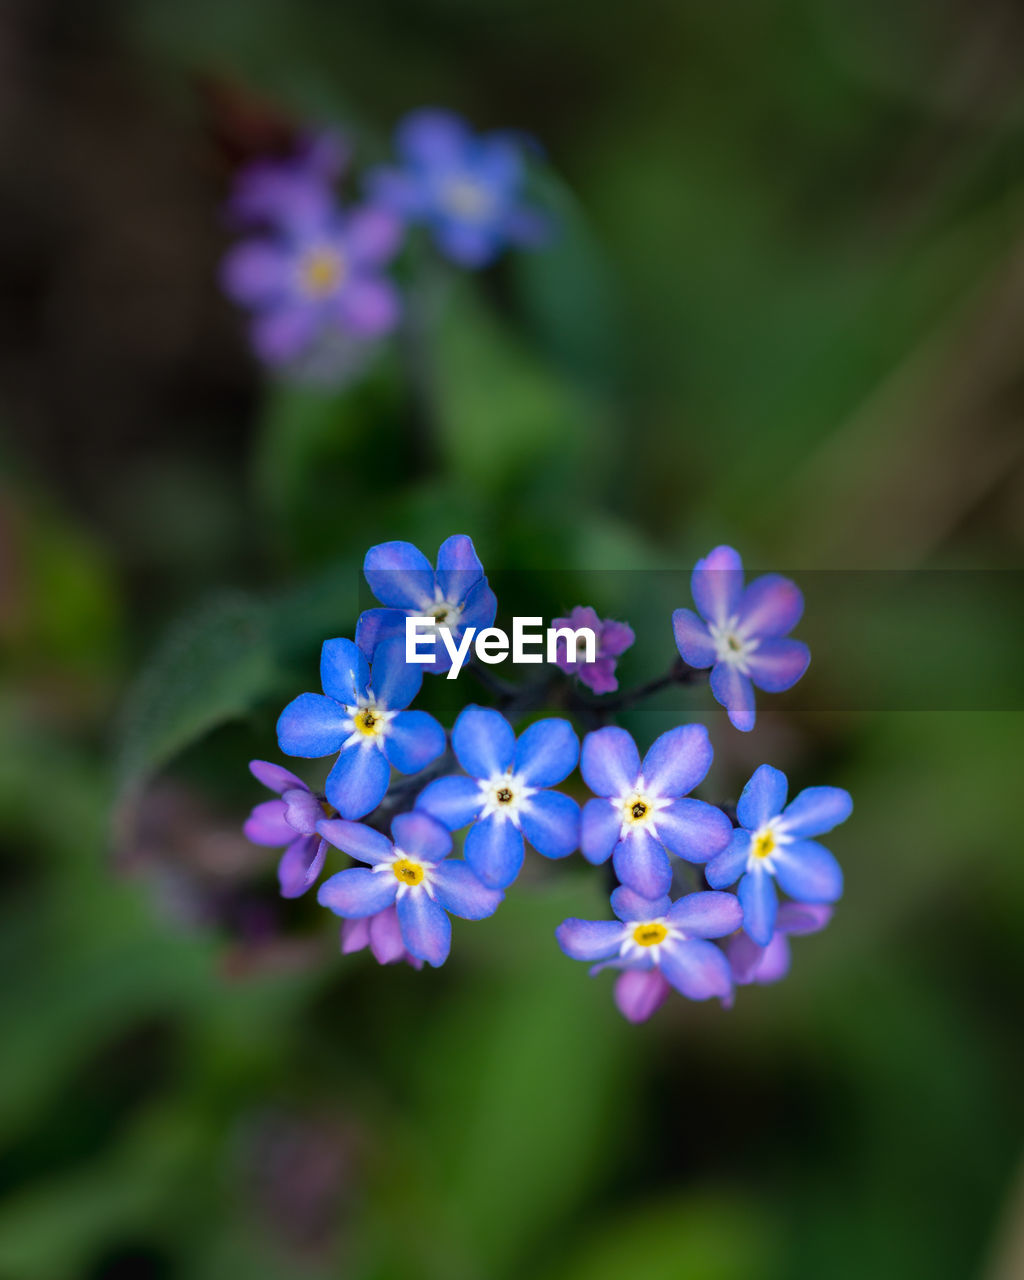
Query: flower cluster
[
  {"x": 313, "y": 271},
  {"x": 696, "y": 905}
]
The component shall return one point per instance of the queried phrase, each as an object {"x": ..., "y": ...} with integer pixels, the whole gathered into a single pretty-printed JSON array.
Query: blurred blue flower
[
  {"x": 658, "y": 944},
  {"x": 613, "y": 639},
  {"x": 739, "y": 633},
  {"x": 363, "y": 717},
  {"x": 505, "y": 798},
  {"x": 289, "y": 821},
  {"x": 771, "y": 844},
  {"x": 313, "y": 281},
  {"x": 466, "y": 187},
  {"x": 751, "y": 963},
  {"x": 456, "y": 596},
  {"x": 414, "y": 874},
  {"x": 641, "y": 811},
  {"x": 293, "y": 191}
]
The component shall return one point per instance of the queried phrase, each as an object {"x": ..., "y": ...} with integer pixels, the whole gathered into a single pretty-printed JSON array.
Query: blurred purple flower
[
  {"x": 291, "y": 192},
  {"x": 751, "y": 963},
  {"x": 613, "y": 639},
  {"x": 289, "y": 821},
  {"x": 466, "y": 187},
  {"x": 740, "y": 632},
  {"x": 382, "y": 933}
]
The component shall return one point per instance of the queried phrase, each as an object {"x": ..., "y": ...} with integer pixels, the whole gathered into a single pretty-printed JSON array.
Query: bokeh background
[{"x": 786, "y": 312}]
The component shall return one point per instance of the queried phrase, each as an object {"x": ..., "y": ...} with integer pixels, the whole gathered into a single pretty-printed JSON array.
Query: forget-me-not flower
[
  {"x": 291, "y": 191},
  {"x": 414, "y": 874},
  {"x": 771, "y": 844},
  {"x": 382, "y": 934},
  {"x": 740, "y": 633},
  {"x": 613, "y": 639},
  {"x": 289, "y": 821},
  {"x": 641, "y": 810},
  {"x": 751, "y": 963},
  {"x": 506, "y": 796},
  {"x": 361, "y": 714}
]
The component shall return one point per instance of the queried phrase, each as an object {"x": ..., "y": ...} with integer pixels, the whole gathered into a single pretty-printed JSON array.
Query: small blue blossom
[
  {"x": 362, "y": 715},
  {"x": 289, "y": 821},
  {"x": 642, "y": 812},
  {"x": 414, "y": 874},
  {"x": 456, "y": 595},
  {"x": 739, "y": 633},
  {"x": 771, "y": 844},
  {"x": 505, "y": 798},
  {"x": 751, "y": 963},
  {"x": 658, "y": 943},
  {"x": 466, "y": 187}
]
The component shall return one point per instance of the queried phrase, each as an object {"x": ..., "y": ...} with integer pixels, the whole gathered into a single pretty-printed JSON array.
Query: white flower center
[
  {"x": 367, "y": 723},
  {"x": 466, "y": 198},
  {"x": 732, "y": 645},
  {"x": 504, "y": 794},
  {"x": 765, "y": 842}
]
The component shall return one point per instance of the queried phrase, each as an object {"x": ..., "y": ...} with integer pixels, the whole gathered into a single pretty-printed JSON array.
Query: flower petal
[
  {"x": 343, "y": 671},
  {"x": 802, "y": 917},
  {"x": 421, "y": 836},
  {"x": 385, "y": 937},
  {"x": 275, "y": 776},
  {"x": 470, "y": 245},
  {"x": 693, "y": 829},
  {"x": 693, "y": 640},
  {"x": 590, "y": 939},
  {"x": 745, "y": 958},
  {"x": 312, "y": 725},
  {"x": 760, "y": 905},
  {"x": 717, "y": 585},
  {"x": 600, "y": 828},
  {"x": 494, "y": 849},
  {"x": 458, "y": 567},
  {"x": 357, "y": 840},
  {"x": 256, "y": 272},
  {"x": 642, "y": 864},
  {"x": 357, "y": 892},
  {"x": 551, "y": 823},
  {"x": 631, "y": 906},
  {"x": 377, "y": 625},
  {"x": 817, "y": 810},
  {"x": 546, "y": 753},
  {"x": 460, "y": 892},
  {"x": 282, "y": 334},
  {"x": 808, "y": 872},
  {"x": 432, "y": 138},
  {"x": 774, "y": 959},
  {"x": 697, "y": 969},
  {"x": 776, "y": 665},
  {"x": 734, "y": 692},
  {"x": 727, "y": 867},
  {"x": 369, "y": 307},
  {"x": 483, "y": 741},
  {"x": 372, "y": 234},
  {"x": 300, "y": 865},
  {"x": 614, "y": 638},
  {"x": 413, "y": 740},
  {"x": 677, "y": 760},
  {"x": 302, "y": 810},
  {"x": 771, "y": 606},
  {"x": 480, "y": 608},
  {"x": 394, "y": 681},
  {"x": 268, "y": 825},
  {"x": 399, "y": 575},
  {"x": 355, "y": 935},
  {"x": 426, "y": 929},
  {"x": 359, "y": 781},
  {"x": 762, "y": 798},
  {"x": 454, "y": 800},
  {"x": 706, "y": 914},
  {"x": 639, "y": 993},
  {"x": 609, "y": 761}
]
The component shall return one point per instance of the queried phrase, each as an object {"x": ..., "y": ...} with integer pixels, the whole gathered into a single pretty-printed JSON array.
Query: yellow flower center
[
  {"x": 636, "y": 809},
  {"x": 367, "y": 721},
  {"x": 407, "y": 872},
  {"x": 503, "y": 795},
  {"x": 764, "y": 844},
  {"x": 322, "y": 271},
  {"x": 649, "y": 935}
]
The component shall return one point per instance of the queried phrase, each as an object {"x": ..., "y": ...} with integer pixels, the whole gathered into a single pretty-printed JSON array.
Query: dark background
[{"x": 786, "y": 312}]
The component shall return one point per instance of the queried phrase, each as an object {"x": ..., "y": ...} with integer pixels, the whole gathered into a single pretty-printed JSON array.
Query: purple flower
[
  {"x": 641, "y": 811},
  {"x": 740, "y": 631},
  {"x": 382, "y": 934},
  {"x": 771, "y": 844},
  {"x": 505, "y": 797},
  {"x": 613, "y": 639},
  {"x": 363, "y": 717},
  {"x": 466, "y": 187},
  {"x": 414, "y": 875},
  {"x": 290, "y": 821},
  {"x": 655, "y": 938},
  {"x": 289, "y": 192},
  {"x": 456, "y": 595},
  {"x": 751, "y": 963},
  {"x": 315, "y": 281}
]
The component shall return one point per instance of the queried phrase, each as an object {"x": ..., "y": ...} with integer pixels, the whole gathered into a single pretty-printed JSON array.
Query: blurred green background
[{"x": 787, "y": 313}]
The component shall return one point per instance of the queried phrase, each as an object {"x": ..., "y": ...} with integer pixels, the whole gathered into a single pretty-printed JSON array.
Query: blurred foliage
[{"x": 786, "y": 313}]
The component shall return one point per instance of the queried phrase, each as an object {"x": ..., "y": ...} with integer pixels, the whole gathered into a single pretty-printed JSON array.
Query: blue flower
[
  {"x": 363, "y": 717},
  {"x": 414, "y": 874},
  {"x": 289, "y": 821},
  {"x": 751, "y": 963},
  {"x": 466, "y": 187},
  {"x": 739, "y": 633},
  {"x": 771, "y": 844},
  {"x": 641, "y": 811},
  {"x": 505, "y": 797},
  {"x": 456, "y": 596},
  {"x": 658, "y": 944}
]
